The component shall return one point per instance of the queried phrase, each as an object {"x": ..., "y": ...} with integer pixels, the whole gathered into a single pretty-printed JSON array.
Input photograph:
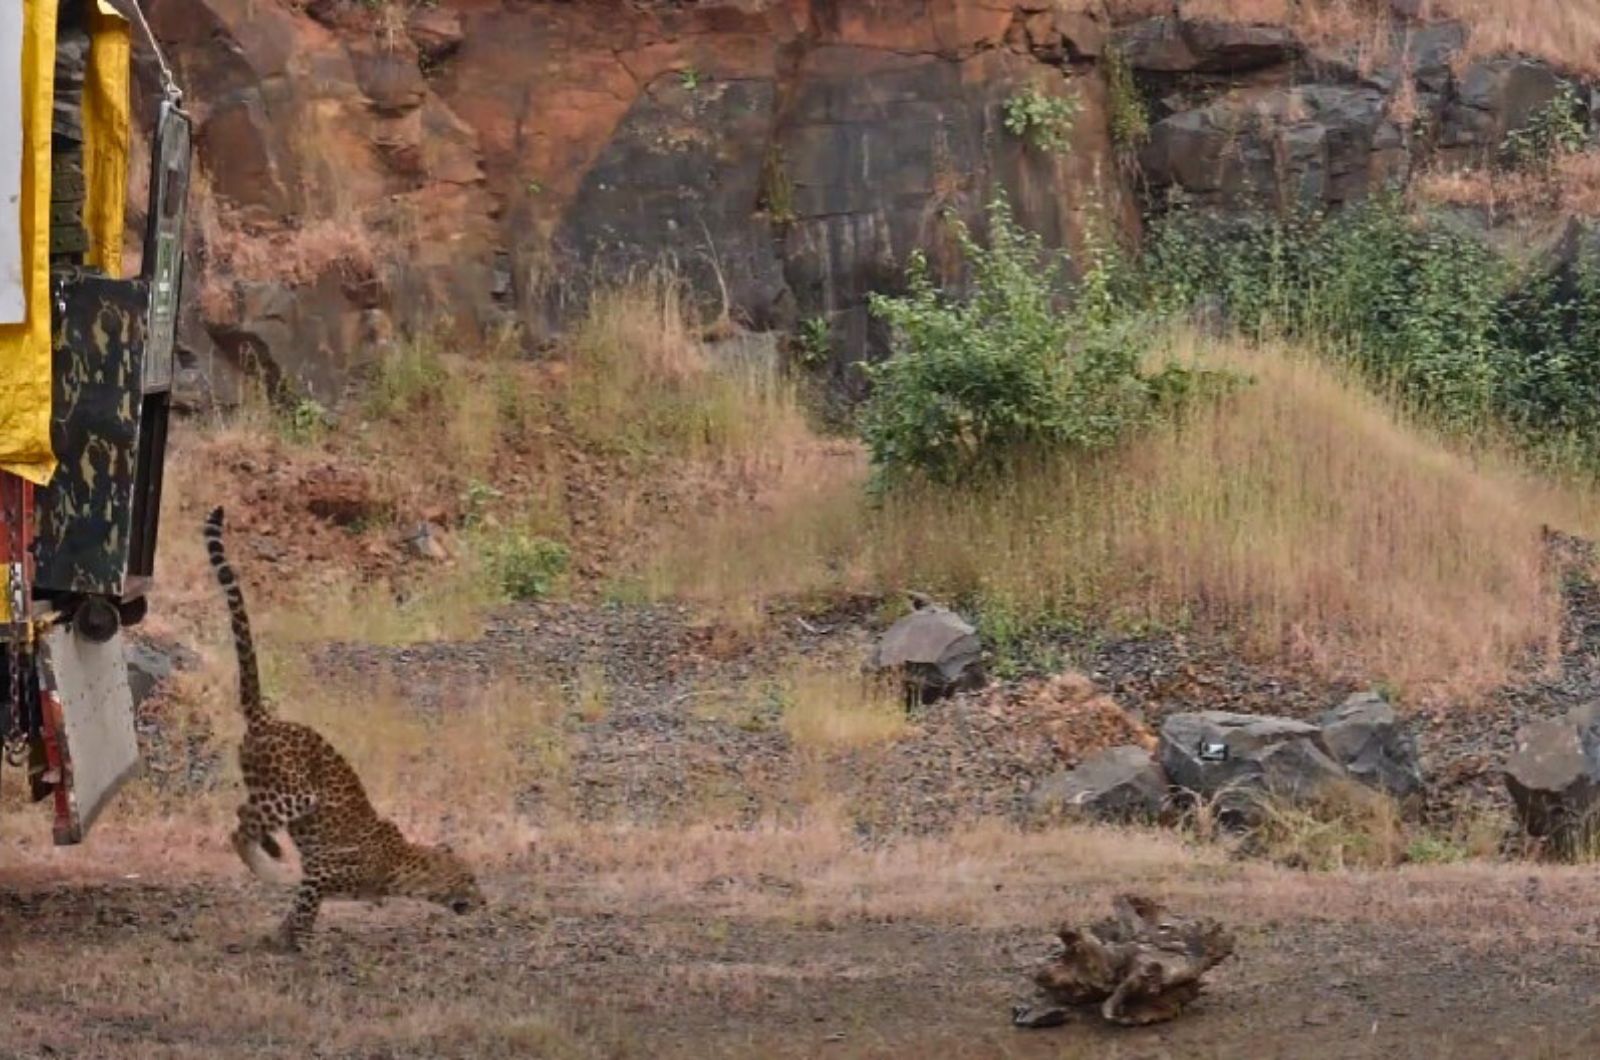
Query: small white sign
[{"x": 13, "y": 286}]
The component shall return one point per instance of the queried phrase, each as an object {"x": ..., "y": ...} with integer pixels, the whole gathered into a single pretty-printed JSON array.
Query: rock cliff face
[
  {"x": 1248, "y": 116},
  {"x": 389, "y": 164}
]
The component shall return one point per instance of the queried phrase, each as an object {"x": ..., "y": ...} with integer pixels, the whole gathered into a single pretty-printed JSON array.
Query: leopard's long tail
[{"x": 250, "y": 700}]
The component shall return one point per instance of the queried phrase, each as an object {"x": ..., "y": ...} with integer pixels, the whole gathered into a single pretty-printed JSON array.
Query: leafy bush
[
  {"x": 1557, "y": 128},
  {"x": 1044, "y": 120},
  {"x": 974, "y": 382},
  {"x": 1424, "y": 308},
  {"x": 1549, "y": 372},
  {"x": 528, "y": 567}
]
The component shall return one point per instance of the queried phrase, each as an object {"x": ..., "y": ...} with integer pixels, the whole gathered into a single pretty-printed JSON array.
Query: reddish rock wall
[
  {"x": 489, "y": 158},
  {"x": 486, "y": 161}
]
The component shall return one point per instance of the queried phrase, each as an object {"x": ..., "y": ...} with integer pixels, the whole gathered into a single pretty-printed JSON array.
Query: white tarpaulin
[{"x": 13, "y": 291}]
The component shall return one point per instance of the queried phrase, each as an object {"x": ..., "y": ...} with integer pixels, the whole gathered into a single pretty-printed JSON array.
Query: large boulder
[
  {"x": 1235, "y": 759},
  {"x": 1364, "y": 736},
  {"x": 1312, "y": 145},
  {"x": 1496, "y": 96},
  {"x": 1121, "y": 784},
  {"x": 1171, "y": 45},
  {"x": 934, "y": 651},
  {"x": 1553, "y": 775}
]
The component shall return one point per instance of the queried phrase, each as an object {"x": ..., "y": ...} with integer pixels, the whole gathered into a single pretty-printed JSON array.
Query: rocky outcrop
[
  {"x": 369, "y": 166},
  {"x": 933, "y": 652},
  {"x": 1246, "y": 118},
  {"x": 334, "y": 179},
  {"x": 502, "y": 156}
]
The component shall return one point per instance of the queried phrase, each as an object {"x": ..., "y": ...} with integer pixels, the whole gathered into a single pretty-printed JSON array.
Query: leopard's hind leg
[{"x": 259, "y": 818}]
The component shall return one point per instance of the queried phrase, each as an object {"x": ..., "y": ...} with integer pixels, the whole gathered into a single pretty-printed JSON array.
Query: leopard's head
[{"x": 438, "y": 875}]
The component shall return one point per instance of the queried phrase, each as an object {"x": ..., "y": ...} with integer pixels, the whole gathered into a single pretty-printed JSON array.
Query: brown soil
[{"x": 1480, "y": 963}]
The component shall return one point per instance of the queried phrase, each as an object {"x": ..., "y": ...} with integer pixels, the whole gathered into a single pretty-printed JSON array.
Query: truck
[{"x": 86, "y": 371}]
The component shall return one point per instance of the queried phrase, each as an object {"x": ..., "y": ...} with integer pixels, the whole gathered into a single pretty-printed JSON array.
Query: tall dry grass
[
  {"x": 641, "y": 379},
  {"x": 1571, "y": 186},
  {"x": 1301, "y": 513},
  {"x": 827, "y": 707},
  {"x": 1567, "y": 32}
]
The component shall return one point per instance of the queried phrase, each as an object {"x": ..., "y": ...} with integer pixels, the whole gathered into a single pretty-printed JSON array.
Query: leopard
[{"x": 296, "y": 782}]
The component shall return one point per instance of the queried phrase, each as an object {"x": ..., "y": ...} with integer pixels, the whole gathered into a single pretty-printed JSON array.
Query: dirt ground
[
  {"x": 709, "y": 942},
  {"x": 699, "y": 892}
]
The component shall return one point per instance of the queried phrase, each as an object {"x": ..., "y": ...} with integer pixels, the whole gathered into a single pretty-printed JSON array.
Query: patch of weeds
[
  {"x": 306, "y": 422},
  {"x": 1130, "y": 121},
  {"x": 814, "y": 343},
  {"x": 1434, "y": 850},
  {"x": 1346, "y": 827},
  {"x": 525, "y": 566},
  {"x": 825, "y": 707},
  {"x": 409, "y": 378},
  {"x": 777, "y": 188},
  {"x": 691, "y": 79},
  {"x": 625, "y": 591},
  {"x": 1018, "y": 646},
  {"x": 591, "y": 694},
  {"x": 1043, "y": 120},
  {"x": 1560, "y": 127},
  {"x": 475, "y": 502}
]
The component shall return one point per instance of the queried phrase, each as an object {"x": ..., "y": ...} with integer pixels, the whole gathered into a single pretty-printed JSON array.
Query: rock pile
[{"x": 1231, "y": 760}]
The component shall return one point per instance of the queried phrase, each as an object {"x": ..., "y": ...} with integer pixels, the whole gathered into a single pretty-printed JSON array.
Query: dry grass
[
  {"x": 233, "y": 253},
  {"x": 1572, "y": 186},
  {"x": 827, "y": 707},
  {"x": 1345, "y": 828},
  {"x": 642, "y": 380},
  {"x": 453, "y": 773},
  {"x": 1567, "y": 33},
  {"x": 1299, "y": 512},
  {"x": 711, "y": 942}
]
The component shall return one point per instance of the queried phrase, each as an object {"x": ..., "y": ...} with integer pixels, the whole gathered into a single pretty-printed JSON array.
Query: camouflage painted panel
[{"x": 86, "y": 512}]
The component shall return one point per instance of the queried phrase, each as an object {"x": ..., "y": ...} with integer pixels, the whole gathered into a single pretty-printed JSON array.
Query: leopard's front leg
[{"x": 302, "y": 915}]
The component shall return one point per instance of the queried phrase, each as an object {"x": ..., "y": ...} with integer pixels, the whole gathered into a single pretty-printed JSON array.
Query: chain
[{"x": 16, "y": 738}]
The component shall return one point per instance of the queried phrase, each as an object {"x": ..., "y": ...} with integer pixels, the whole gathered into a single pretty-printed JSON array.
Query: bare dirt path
[{"x": 613, "y": 945}]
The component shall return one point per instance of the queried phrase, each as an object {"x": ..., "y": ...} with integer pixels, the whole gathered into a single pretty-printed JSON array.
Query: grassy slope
[{"x": 1300, "y": 512}]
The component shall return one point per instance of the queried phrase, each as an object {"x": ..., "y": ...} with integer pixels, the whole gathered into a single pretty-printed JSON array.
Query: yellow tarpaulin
[
  {"x": 105, "y": 135},
  {"x": 25, "y": 348}
]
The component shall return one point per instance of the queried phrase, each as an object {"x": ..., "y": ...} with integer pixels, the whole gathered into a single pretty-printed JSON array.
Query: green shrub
[
  {"x": 1044, "y": 120},
  {"x": 1549, "y": 372},
  {"x": 814, "y": 343},
  {"x": 527, "y": 567},
  {"x": 1559, "y": 127},
  {"x": 1423, "y": 308},
  {"x": 974, "y": 382},
  {"x": 1413, "y": 302}
]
